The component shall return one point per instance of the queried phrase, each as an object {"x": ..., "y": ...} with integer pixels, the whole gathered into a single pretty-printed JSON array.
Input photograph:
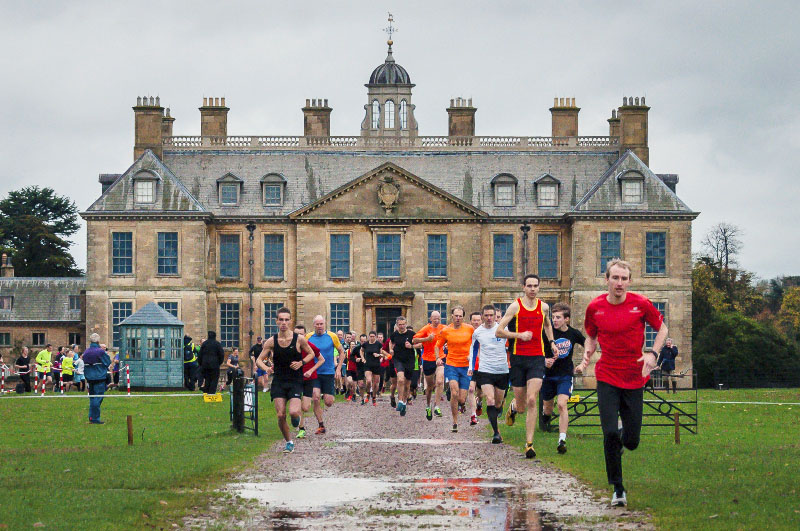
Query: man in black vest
[{"x": 211, "y": 357}]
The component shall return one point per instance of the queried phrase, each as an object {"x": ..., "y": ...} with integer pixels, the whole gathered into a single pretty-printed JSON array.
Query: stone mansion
[{"x": 221, "y": 230}]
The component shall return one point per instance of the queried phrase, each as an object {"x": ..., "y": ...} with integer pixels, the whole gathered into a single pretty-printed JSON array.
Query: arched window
[
  {"x": 376, "y": 114},
  {"x": 388, "y": 121},
  {"x": 403, "y": 114}
]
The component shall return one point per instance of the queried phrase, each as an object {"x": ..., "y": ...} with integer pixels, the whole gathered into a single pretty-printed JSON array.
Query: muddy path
[{"x": 374, "y": 469}]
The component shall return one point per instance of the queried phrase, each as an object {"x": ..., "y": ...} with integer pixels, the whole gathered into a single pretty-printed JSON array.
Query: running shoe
[
  {"x": 428, "y": 413},
  {"x": 530, "y": 453},
  {"x": 289, "y": 448},
  {"x": 320, "y": 430},
  {"x": 393, "y": 403},
  {"x": 619, "y": 499},
  {"x": 437, "y": 411},
  {"x": 510, "y": 415},
  {"x": 473, "y": 420},
  {"x": 455, "y": 428},
  {"x": 496, "y": 439},
  {"x": 301, "y": 434},
  {"x": 349, "y": 398},
  {"x": 462, "y": 408},
  {"x": 363, "y": 401},
  {"x": 562, "y": 447},
  {"x": 402, "y": 408},
  {"x": 374, "y": 402},
  {"x": 479, "y": 408}
]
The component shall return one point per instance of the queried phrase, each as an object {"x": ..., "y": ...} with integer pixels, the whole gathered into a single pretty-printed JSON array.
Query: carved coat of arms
[{"x": 388, "y": 194}]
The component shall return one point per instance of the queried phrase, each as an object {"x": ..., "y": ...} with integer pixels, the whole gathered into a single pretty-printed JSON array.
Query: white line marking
[
  {"x": 753, "y": 403},
  {"x": 435, "y": 442}
]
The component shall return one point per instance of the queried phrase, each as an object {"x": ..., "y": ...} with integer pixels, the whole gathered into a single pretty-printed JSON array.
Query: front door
[{"x": 385, "y": 319}]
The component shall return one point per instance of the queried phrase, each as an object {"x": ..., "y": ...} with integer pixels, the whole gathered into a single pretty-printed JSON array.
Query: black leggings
[{"x": 613, "y": 403}]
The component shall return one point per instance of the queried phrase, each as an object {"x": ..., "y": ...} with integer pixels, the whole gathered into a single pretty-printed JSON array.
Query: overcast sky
[{"x": 721, "y": 79}]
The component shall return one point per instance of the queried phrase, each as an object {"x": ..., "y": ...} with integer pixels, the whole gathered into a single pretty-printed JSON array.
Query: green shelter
[{"x": 151, "y": 343}]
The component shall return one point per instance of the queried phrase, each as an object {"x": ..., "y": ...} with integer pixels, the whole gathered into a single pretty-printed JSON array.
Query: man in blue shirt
[
  {"x": 326, "y": 342},
  {"x": 96, "y": 363}
]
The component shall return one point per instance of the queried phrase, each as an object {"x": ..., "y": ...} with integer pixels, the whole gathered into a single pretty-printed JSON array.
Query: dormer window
[
  {"x": 273, "y": 186},
  {"x": 547, "y": 188},
  {"x": 505, "y": 189},
  {"x": 631, "y": 187},
  {"x": 229, "y": 187},
  {"x": 144, "y": 187}
]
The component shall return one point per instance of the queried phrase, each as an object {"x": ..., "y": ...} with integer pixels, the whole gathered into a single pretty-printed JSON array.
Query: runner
[
  {"x": 389, "y": 372},
  {"x": 311, "y": 391},
  {"x": 492, "y": 377},
  {"x": 616, "y": 320},
  {"x": 558, "y": 373},
  {"x": 289, "y": 351},
  {"x": 43, "y": 363},
  {"x": 351, "y": 375},
  {"x": 361, "y": 377},
  {"x": 525, "y": 319},
  {"x": 474, "y": 393},
  {"x": 259, "y": 373},
  {"x": 432, "y": 372},
  {"x": 458, "y": 339},
  {"x": 326, "y": 342},
  {"x": 403, "y": 355},
  {"x": 371, "y": 350}
]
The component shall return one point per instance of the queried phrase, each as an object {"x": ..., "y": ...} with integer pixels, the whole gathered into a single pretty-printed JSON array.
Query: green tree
[
  {"x": 789, "y": 314},
  {"x": 35, "y": 224}
]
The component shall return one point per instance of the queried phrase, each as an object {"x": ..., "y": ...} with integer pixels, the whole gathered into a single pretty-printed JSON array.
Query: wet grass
[
  {"x": 67, "y": 474},
  {"x": 740, "y": 470}
]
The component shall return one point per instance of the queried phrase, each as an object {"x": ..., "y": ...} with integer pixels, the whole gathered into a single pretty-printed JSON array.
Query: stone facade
[{"x": 386, "y": 185}]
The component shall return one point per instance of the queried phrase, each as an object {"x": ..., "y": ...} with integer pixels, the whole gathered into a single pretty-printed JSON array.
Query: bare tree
[{"x": 722, "y": 243}]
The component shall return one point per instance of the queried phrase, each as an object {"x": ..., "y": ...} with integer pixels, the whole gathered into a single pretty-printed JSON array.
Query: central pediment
[{"x": 388, "y": 192}]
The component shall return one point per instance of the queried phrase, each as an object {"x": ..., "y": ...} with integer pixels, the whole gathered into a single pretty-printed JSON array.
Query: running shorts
[
  {"x": 405, "y": 366},
  {"x": 524, "y": 368},
  {"x": 286, "y": 389},
  {"x": 309, "y": 386},
  {"x": 390, "y": 372},
  {"x": 326, "y": 384},
  {"x": 556, "y": 385},
  {"x": 352, "y": 374},
  {"x": 499, "y": 381},
  {"x": 428, "y": 367},
  {"x": 457, "y": 374}
]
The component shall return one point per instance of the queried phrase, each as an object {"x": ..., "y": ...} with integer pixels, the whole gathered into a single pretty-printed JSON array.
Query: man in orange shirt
[
  {"x": 458, "y": 338},
  {"x": 434, "y": 373}
]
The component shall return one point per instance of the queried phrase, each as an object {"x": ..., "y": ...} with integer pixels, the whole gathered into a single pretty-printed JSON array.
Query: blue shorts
[
  {"x": 457, "y": 374},
  {"x": 556, "y": 385},
  {"x": 260, "y": 373},
  {"x": 326, "y": 384}
]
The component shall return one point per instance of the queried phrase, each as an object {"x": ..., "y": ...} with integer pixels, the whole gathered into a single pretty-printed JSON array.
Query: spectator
[
  {"x": 199, "y": 373},
  {"x": 23, "y": 368},
  {"x": 211, "y": 357},
  {"x": 80, "y": 380},
  {"x": 96, "y": 365},
  {"x": 232, "y": 365},
  {"x": 666, "y": 361},
  {"x": 56, "y": 368},
  {"x": 255, "y": 352},
  {"x": 189, "y": 363},
  {"x": 114, "y": 372}
]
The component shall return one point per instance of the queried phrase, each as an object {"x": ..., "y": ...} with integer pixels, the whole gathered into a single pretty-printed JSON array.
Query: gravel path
[{"x": 425, "y": 476}]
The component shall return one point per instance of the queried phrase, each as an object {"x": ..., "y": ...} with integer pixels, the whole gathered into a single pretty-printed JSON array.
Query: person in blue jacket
[{"x": 96, "y": 363}]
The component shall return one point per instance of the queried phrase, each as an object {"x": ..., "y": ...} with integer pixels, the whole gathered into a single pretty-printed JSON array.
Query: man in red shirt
[
  {"x": 311, "y": 391},
  {"x": 616, "y": 320}
]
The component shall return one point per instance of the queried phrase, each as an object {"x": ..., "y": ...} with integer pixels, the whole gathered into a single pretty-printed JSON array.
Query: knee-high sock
[{"x": 491, "y": 412}]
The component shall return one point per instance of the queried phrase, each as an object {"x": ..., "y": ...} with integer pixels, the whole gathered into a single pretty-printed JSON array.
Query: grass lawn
[
  {"x": 741, "y": 471},
  {"x": 59, "y": 470}
]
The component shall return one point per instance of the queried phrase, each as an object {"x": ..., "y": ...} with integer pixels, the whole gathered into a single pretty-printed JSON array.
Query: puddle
[
  {"x": 312, "y": 494},
  {"x": 473, "y": 503},
  {"x": 433, "y": 442}
]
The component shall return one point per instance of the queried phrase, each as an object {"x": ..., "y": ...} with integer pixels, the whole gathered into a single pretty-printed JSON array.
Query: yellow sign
[
  {"x": 575, "y": 398},
  {"x": 212, "y": 398}
]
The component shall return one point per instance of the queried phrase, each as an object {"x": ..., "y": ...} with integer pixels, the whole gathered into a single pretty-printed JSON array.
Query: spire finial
[{"x": 389, "y": 30}]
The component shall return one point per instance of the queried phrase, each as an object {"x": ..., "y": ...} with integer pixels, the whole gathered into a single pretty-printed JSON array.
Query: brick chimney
[
  {"x": 317, "y": 118},
  {"x": 148, "y": 132},
  {"x": 633, "y": 128},
  {"x": 166, "y": 124},
  {"x": 214, "y": 117},
  {"x": 6, "y": 267},
  {"x": 565, "y": 117},
  {"x": 613, "y": 125},
  {"x": 461, "y": 117}
]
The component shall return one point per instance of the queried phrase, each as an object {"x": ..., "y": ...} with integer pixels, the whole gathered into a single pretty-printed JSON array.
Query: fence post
[
  {"x": 130, "y": 430},
  {"x": 238, "y": 403},
  {"x": 677, "y": 428}
]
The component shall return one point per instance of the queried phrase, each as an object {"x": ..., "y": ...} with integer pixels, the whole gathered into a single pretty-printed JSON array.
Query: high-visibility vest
[{"x": 193, "y": 349}]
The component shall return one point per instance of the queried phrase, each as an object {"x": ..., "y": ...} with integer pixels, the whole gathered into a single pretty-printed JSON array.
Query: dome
[{"x": 389, "y": 73}]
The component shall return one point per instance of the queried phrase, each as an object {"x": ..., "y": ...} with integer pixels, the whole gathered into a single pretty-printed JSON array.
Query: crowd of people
[{"x": 528, "y": 349}]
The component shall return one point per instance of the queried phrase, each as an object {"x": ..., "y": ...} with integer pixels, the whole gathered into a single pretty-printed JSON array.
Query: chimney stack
[
  {"x": 6, "y": 267},
  {"x": 317, "y": 118},
  {"x": 613, "y": 125},
  {"x": 565, "y": 117},
  {"x": 214, "y": 117},
  {"x": 461, "y": 117},
  {"x": 633, "y": 128},
  {"x": 166, "y": 124},
  {"x": 148, "y": 130}
]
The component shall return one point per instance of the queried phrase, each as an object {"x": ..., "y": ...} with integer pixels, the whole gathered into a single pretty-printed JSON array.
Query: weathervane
[{"x": 390, "y": 29}]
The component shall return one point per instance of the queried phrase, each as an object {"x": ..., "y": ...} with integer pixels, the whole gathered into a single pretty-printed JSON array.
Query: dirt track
[{"x": 425, "y": 476}]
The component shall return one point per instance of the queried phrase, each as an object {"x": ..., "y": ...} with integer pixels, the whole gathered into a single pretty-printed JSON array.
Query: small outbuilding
[{"x": 151, "y": 343}]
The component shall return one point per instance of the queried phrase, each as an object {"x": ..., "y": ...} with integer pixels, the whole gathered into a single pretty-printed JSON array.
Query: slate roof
[
  {"x": 190, "y": 180},
  {"x": 41, "y": 299},
  {"x": 152, "y": 314}
]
